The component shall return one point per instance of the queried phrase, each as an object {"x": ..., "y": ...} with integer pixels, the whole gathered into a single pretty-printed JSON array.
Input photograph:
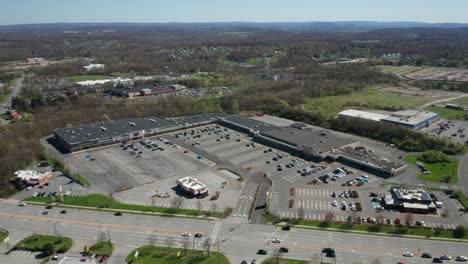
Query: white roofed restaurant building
[
  {"x": 31, "y": 177},
  {"x": 192, "y": 186}
]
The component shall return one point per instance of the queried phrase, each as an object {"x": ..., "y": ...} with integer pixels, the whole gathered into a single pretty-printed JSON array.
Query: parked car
[
  {"x": 262, "y": 252},
  {"x": 408, "y": 254}
]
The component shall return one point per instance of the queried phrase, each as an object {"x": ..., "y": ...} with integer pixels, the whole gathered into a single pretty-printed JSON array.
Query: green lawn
[
  {"x": 162, "y": 255},
  {"x": 461, "y": 102},
  {"x": 82, "y": 179},
  {"x": 80, "y": 78},
  {"x": 447, "y": 113},
  {"x": 462, "y": 198},
  {"x": 3, "y": 235},
  {"x": 255, "y": 61},
  {"x": 102, "y": 201},
  {"x": 439, "y": 171},
  {"x": 102, "y": 248},
  {"x": 368, "y": 99},
  {"x": 37, "y": 242},
  {"x": 391, "y": 230}
]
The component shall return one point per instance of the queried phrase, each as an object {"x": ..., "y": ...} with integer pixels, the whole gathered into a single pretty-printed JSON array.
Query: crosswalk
[
  {"x": 236, "y": 220},
  {"x": 317, "y": 192},
  {"x": 78, "y": 193},
  {"x": 23, "y": 254},
  {"x": 167, "y": 205}
]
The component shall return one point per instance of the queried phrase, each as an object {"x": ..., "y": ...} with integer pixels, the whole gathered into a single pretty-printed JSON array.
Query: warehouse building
[
  {"x": 312, "y": 144},
  {"x": 357, "y": 114},
  {"x": 110, "y": 132},
  {"x": 413, "y": 119}
]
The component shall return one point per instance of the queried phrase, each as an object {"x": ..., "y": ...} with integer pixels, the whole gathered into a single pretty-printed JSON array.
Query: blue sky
[{"x": 46, "y": 11}]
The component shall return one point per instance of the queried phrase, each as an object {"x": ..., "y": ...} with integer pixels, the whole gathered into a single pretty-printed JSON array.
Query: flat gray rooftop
[
  {"x": 410, "y": 117},
  {"x": 319, "y": 140},
  {"x": 368, "y": 157},
  {"x": 95, "y": 131}
]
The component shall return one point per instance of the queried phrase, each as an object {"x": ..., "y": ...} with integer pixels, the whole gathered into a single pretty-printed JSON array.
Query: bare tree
[
  {"x": 329, "y": 217},
  {"x": 169, "y": 243},
  {"x": 301, "y": 213},
  {"x": 409, "y": 219},
  {"x": 214, "y": 207},
  {"x": 199, "y": 206},
  {"x": 177, "y": 202},
  {"x": 111, "y": 198},
  {"x": 152, "y": 239},
  {"x": 380, "y": 220},
  {"x": 101, "y": 237},
  {"x": 277, "y": 254},
  {"x": 186, "y": 244},
  {"x": 207, "y": 245}
]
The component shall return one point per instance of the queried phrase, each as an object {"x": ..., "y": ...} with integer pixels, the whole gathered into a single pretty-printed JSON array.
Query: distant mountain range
[{"x": 286, "y": 26}]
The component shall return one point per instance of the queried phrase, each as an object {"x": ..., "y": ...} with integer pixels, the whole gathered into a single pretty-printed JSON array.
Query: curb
[{"x": 380, "y": 234}]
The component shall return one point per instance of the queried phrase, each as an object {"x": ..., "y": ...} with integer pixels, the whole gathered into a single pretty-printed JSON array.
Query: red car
[{"x": 397, "y": 221}]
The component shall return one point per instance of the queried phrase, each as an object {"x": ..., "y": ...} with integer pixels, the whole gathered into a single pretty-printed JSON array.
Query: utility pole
[
  {"x": 193, "y": 245},
  {"x": 219, "y": 261}
]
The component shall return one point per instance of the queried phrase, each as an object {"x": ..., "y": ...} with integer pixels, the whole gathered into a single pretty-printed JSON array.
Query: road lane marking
[{"x": 84, "y": 223}]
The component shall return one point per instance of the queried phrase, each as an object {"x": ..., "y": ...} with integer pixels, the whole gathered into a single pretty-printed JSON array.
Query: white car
[
  {"x": 21, "y": 204},
  {"x": 461, "y": 258},
  {"x": 29, "y": 188},
  {"x": 408, "y": 254},
  {"x": 334, "y": 203},
  {"x": 185, "y": 234},
  {"x": 35, "y": 194},
  {"x": 276, "y": 240}
]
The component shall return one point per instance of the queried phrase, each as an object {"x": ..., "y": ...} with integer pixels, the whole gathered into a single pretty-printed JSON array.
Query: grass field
[
  {"x": 3, "y": 235},
  {"x": 400, "y": 70},
  {"x": 439, "y": 171},
  {"x": 102, "y": 201},
  {"x": 102, "y": 248},
  {"x": 447, "y": 113},
  {"x": 163, "y": 255},
  {"x": 37, "y": 242},
  {"x": 368, "y": 99},
  {"x": 390, "y": 230},
  {"x": 255, "y": 61},
  {"x": 80, "y": 78},
  {"x": 461, "y": 102},
  {"x": 290, "y": 261}
]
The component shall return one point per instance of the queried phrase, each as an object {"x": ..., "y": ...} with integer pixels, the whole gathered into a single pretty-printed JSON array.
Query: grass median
[
  {"x": 386, "y": 229},
  {"x": 163, "y": 255},
  {"x": 3, "y": 235},
  {"x": 102, "y": 201},
  {"x": 38, "y": 242},
  {"x": 102, "y": 248}
]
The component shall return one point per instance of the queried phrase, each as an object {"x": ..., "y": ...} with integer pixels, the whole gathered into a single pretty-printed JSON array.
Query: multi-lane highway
[{"x": 237, "y": 241}]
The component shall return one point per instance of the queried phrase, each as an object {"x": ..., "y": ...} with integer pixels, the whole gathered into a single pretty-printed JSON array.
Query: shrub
[
  {"x": 459, "y": 232},
  {"x": 433, "y": 156}
]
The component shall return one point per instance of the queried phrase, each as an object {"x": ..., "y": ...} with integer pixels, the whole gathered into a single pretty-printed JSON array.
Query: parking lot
[
  {"x": 118, "y": 168},
  {"x": 454, "y": 130},
  {"x": 161, "y": 193}
]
